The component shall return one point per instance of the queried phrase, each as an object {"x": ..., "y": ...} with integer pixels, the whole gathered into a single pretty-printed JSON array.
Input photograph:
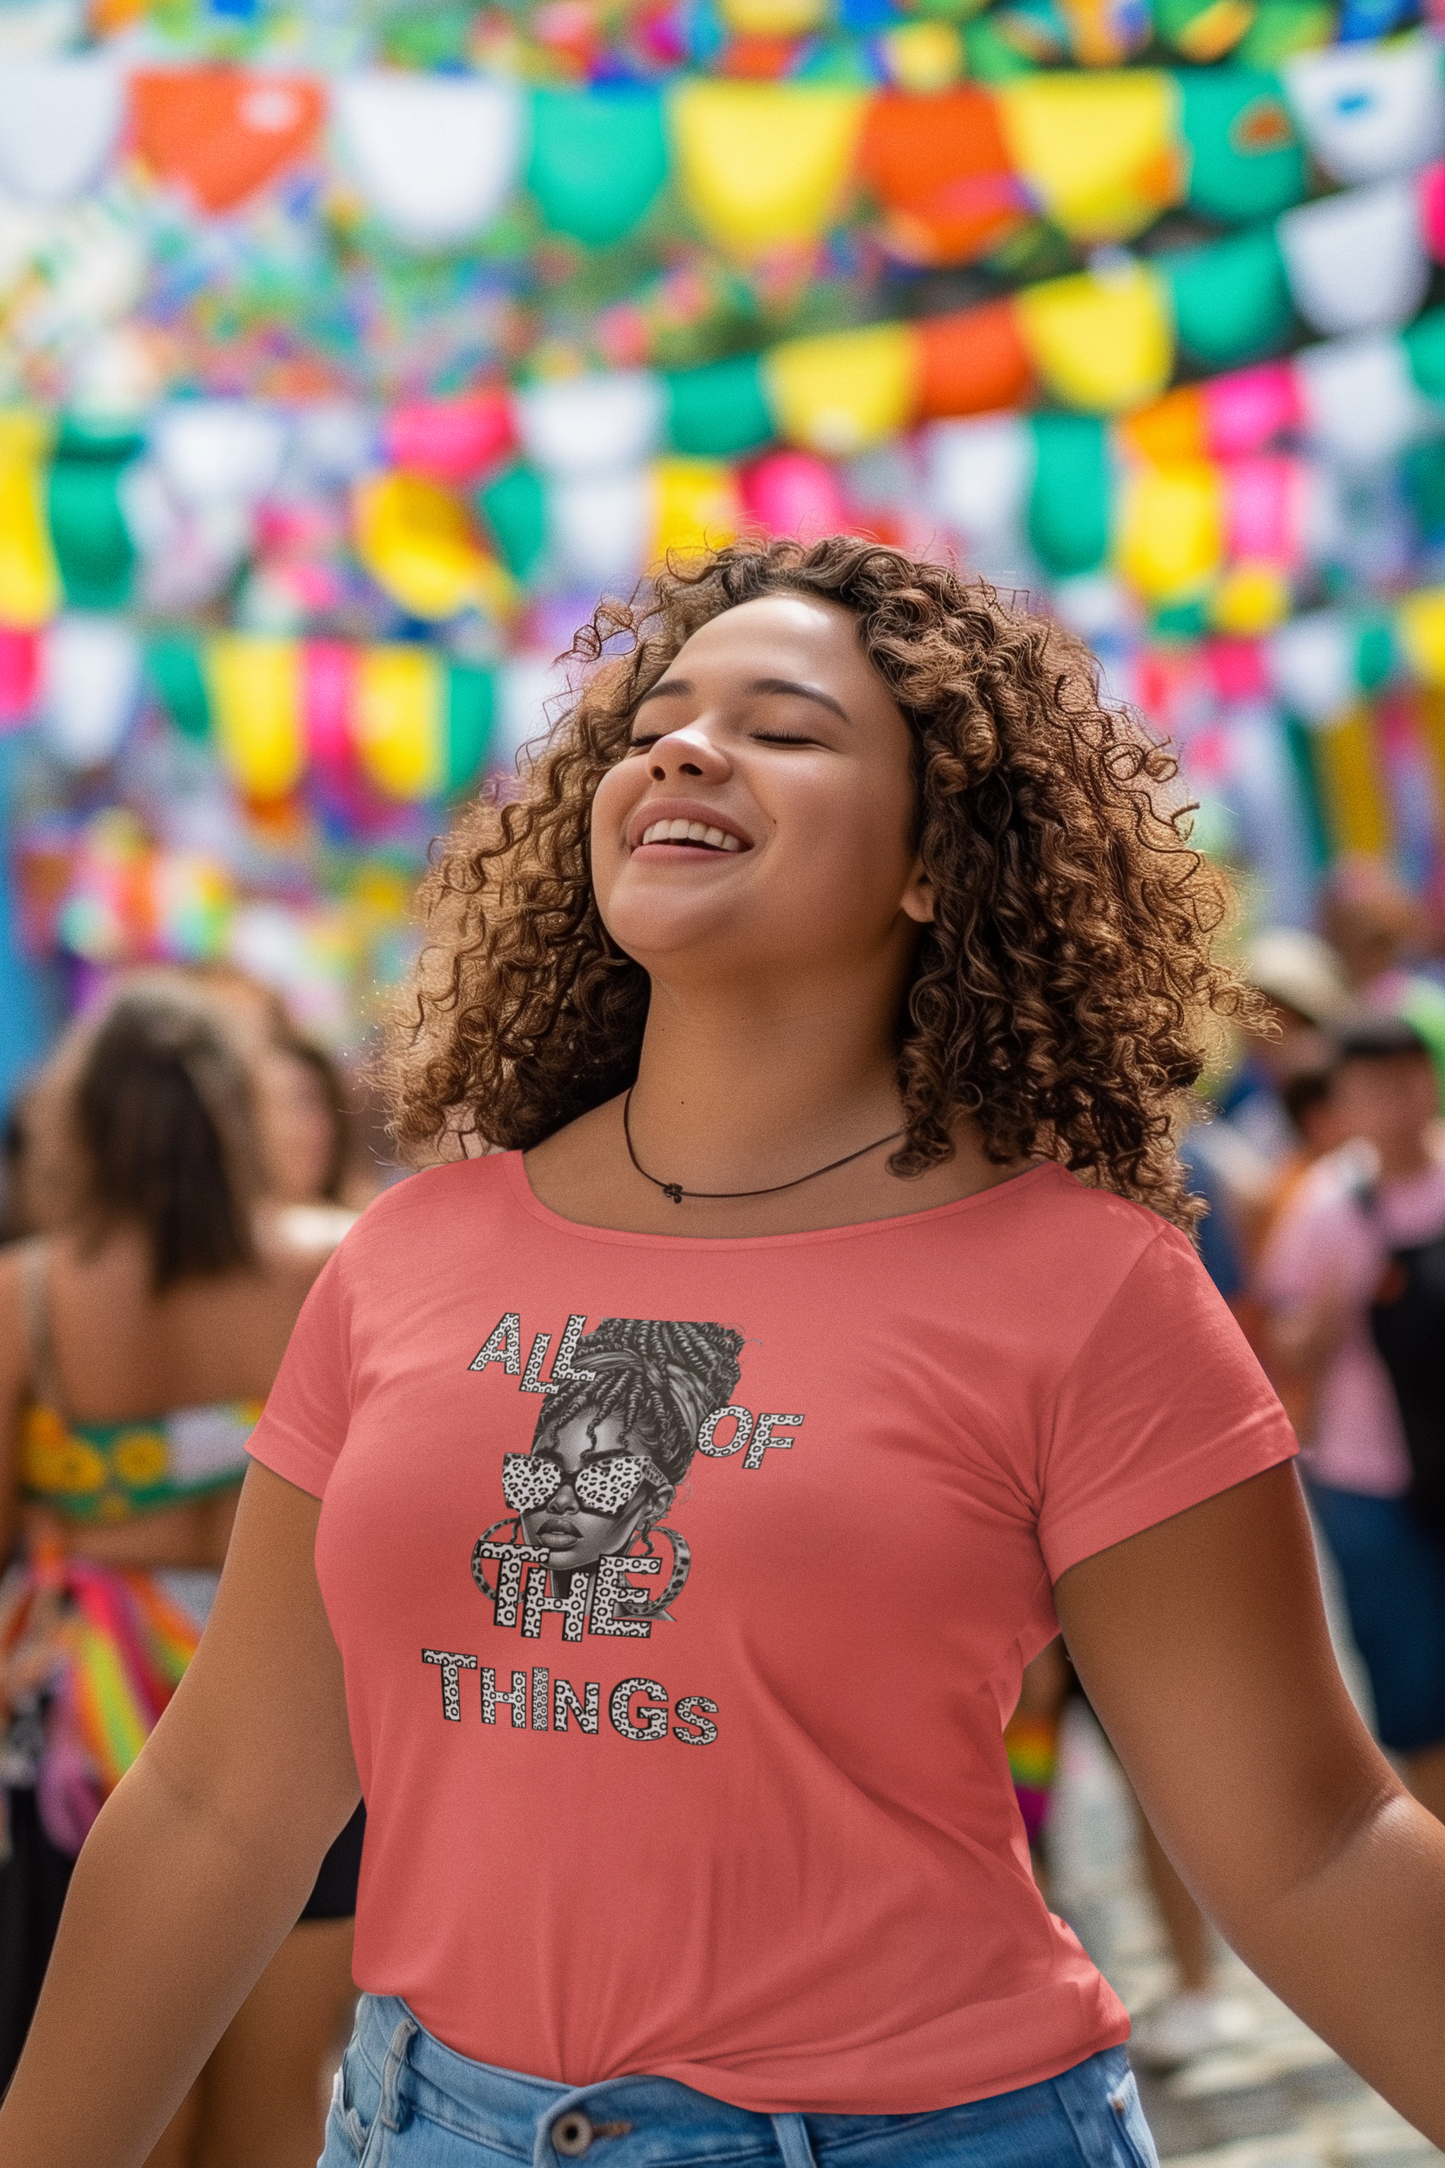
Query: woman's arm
[
  {"x": 200, "y": 1862},
  {"x": 1203, "y": 1647}
]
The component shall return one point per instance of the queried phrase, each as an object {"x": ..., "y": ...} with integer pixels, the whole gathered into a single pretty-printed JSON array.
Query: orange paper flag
[
  {"x": 941, "y": 170},
  {"x": 219, "y": 133}
]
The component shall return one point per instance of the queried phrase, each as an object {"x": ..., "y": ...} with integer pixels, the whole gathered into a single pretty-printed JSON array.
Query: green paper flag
[
  {"x": 1423, "y": 475},
  {"x": 1246, "y": 158},
  {"x": 721, "y": 411},
  {"x": 88, "y": 531},
  {"x": 471, "y": 710},
  {"x": 176, "y": 673},
  {"x": 1284, "y": 27},
  {"x": 989, "y": 56},
  {"x": 1231, "y": 302},
  {"x": 514, "y": 506},
  {"x": 1069, "y": 505},
  {"x": 1374, "y": 652},
  {"x": 1202, "y": 30},
  {"x": 598, "y": 159},
  {"x": 1425, "y": 352}
]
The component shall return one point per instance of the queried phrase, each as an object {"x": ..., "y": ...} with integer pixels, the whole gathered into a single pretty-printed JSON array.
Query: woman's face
[
  {"x": 762, "y": 821},
  {"x": 563, "y": 1526},
  {"x": 298, "y": 1127}
]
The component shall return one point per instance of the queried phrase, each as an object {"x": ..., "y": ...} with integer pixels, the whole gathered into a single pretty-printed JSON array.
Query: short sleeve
[
  {"x": 1163, "y": 1406},
  {"x": 303, "y": 1426}
]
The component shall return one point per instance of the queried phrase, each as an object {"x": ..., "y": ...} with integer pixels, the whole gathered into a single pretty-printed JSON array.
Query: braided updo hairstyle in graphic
[{"x": 659, "y": 1376}]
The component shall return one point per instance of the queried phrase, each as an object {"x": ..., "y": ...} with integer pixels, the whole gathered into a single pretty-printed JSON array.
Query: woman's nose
[{"x": 690, "y": 752}]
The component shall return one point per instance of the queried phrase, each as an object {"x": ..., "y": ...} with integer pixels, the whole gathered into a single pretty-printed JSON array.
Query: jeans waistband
[
  {"x": 1089, "y": 2113},
  {"x": 548, "y": 2124}
]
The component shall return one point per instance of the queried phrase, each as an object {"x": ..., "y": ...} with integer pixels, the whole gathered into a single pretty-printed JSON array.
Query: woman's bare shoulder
[{"x": 14, "y": 1336}]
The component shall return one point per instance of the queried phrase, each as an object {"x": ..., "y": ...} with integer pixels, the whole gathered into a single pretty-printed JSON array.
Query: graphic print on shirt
[{"x": 622, "y": 1415}]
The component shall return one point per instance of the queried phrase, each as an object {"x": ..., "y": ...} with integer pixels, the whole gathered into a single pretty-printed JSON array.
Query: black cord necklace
[{"x": 676, "y": 1192}]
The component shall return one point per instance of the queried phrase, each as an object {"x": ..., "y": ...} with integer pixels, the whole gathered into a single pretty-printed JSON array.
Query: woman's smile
[{"x": 684, "y": 828}]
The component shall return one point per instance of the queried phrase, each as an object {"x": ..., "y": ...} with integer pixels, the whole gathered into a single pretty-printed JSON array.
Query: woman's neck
[{"x": 729, "y": 1100}]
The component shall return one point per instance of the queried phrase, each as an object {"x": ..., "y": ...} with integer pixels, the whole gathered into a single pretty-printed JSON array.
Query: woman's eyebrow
[
  {"x": 667, "y": 688},
  {"x": 803, "y": 692}
]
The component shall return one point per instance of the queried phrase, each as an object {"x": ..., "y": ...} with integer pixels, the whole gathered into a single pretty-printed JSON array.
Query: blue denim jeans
[{"x": 402, "y": 2100}]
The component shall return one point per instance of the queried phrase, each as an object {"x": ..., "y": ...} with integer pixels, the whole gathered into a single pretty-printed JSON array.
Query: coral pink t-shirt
[{"x": 683, "y": 1589}]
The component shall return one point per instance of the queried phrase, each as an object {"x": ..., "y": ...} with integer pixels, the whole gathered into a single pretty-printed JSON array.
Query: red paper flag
[{"x": 220, "y": 133}]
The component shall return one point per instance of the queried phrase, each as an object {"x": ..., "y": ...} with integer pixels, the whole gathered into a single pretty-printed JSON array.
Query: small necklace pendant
[{"x": 673, "y": 1190}]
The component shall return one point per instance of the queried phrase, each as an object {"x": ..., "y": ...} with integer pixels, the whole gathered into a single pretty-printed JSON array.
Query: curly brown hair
[{"x": 1066, "y": 995}]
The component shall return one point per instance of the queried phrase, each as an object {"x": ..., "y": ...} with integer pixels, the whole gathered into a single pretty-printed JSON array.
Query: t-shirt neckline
[{"x": 515, "y": 1174}]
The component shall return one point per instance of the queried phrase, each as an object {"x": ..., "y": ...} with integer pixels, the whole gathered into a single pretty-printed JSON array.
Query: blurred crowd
[{"x": 1321, "y": 1154}]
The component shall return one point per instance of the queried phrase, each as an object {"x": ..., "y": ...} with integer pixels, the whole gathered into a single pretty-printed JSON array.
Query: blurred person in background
[
  {"x": 1355, "y": 1220},
  {"x": 137, "y": 1344},
  {"x": 305, "y": 1105},
  {"x": 1238, "y": 1156},
  {"x": 1306, "y": 991},
  {"x": 304, "y": 1108},
  {"x": 1376, "y": 926}
]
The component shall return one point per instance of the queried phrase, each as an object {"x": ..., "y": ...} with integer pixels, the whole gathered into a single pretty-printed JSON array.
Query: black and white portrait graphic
[{"x": 589, "y": 1504}]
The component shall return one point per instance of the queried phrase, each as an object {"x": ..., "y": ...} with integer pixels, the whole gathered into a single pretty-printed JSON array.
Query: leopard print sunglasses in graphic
[{"x": 604, "y": 1485}]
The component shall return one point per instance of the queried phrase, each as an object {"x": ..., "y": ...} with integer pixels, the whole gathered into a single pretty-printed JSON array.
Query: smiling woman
[
  {"x": 833, "y": 993},
  {"x": 1063, "y": 991}
]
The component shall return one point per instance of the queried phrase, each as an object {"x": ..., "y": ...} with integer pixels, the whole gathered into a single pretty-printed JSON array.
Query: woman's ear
[
  {"x": 662, "y": 1497},
  {"x": 917, "y": 897}
]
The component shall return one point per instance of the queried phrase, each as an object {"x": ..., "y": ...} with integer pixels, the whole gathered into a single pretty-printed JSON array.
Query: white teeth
[{"x": 691, "y": 832}]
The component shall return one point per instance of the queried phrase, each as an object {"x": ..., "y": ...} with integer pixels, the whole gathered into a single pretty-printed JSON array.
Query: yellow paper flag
[
  {"x": 29, "y": 577},
  {"x": 1101, "y": 342},
  {"x": 1101, "y": 152},
  {"x": 1347, "y": 761},
  {"x": 842, "y": 391},
  {"x": 418, "y": 542},
  {"x": 764, "y": 165},
  {"x": 400, "y": 720},
  {"x": 1171, "y": 531},
  {"x": 696, "y": 506},
  {"x": 773, "y": 18},
  {"x": 255, "y": 687},
  {"x": 1252, "y": 598},
  {"x": 1420, "y": 622}
]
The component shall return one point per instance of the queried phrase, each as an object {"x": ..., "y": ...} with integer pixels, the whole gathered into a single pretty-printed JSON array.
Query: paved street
[{"x": 1282, "y": 2100}]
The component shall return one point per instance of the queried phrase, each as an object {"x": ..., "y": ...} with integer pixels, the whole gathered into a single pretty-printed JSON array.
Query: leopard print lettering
[
  {"x": 573, "y": 1606},
  {"x": 516, "y": 1700},
  {"x": 503, "y": 1346},
  {"x": 654, "y": 1721},
  {"x": 532, "y": 1381},
  {"x": 741, "y": 1417},
  {"x": 509, "y": 1559},
  {"x": 695, "y": 1709},
  {"x": 614, "y": 1593},
  {"x": 452, "y": 1666},
  {"x": 586, "y": 1711},
  {"x": 763, "y": 1437}
]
